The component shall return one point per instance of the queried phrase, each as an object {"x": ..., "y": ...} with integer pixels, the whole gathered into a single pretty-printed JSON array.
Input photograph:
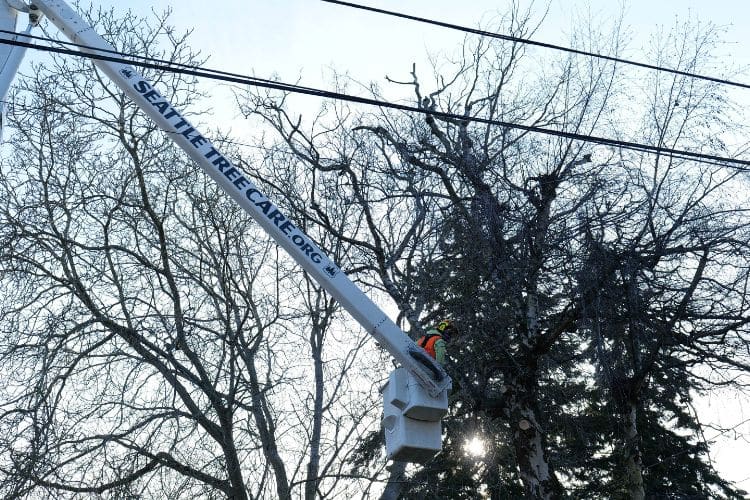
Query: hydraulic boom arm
[{"x": 430, "y": 375}]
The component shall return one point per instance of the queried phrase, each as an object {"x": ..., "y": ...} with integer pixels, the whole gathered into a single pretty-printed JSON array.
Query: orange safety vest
[{"x": 427, "y": 342}]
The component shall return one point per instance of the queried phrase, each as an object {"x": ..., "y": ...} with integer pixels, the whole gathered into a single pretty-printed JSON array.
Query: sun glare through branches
[{"x": 475, "y": 447}]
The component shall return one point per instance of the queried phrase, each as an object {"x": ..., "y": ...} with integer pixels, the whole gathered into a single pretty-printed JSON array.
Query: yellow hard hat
[{"x": 445, "y": 325}]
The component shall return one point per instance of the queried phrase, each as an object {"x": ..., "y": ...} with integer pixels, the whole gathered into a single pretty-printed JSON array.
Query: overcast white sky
[
  {"x": 287, "y": 36},
  {"x": 307, "y": 38}
]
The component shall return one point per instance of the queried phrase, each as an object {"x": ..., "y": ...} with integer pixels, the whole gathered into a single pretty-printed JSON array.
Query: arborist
[{"x": 436, "y": 339}]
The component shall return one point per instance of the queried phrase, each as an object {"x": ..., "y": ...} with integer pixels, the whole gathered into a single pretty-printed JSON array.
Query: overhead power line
[
  {"x": 167, "y": 66},
  {"x": 545, "y": 45},
  {"x": 127, "y": 58}
]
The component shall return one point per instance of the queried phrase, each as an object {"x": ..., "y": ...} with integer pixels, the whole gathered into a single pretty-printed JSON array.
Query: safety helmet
[
  {"x": 444, "y": 325},
  {"x": 446, "y": 328}
]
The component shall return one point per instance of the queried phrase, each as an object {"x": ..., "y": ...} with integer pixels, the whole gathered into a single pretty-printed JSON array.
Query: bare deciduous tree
[
  {"x": 154, "y": 342},
  {"x": 493, "y": 226}
]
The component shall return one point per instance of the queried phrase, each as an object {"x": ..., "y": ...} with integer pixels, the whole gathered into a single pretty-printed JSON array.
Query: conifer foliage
[{"x": 156, "y": 345}]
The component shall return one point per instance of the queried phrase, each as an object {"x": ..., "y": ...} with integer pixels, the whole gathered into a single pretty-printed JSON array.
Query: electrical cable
[
  {"x": 545, "y": 45},
  {"x": 165, "y": 62},
  {"x": 291, "y": 87},
  {"x": 269, "y": 84},
  {"x": 220, "y": 72}
]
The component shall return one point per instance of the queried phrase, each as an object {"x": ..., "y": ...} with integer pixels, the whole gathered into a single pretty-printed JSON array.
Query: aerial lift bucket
[{"x": 411, "y": 418}]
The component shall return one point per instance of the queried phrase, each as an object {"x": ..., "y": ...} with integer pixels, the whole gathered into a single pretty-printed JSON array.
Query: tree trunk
[
  {"x": 265, "y": 428},
  {"x": 235, "y": 476},
  {"x": 537, "y": 476},
  {"x": 633, "y": 461},
  {"x": 529, "y": 441},
  {"x": 313, "y": 466},
  {"x": 395, "y": 482}
]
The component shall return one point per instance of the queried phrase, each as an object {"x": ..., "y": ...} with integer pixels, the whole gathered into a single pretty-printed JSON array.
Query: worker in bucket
[{"x": 436, "y": 339}]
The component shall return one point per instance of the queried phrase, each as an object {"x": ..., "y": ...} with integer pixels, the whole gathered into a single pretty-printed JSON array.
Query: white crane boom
[{"x": 429, "y": 374}]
